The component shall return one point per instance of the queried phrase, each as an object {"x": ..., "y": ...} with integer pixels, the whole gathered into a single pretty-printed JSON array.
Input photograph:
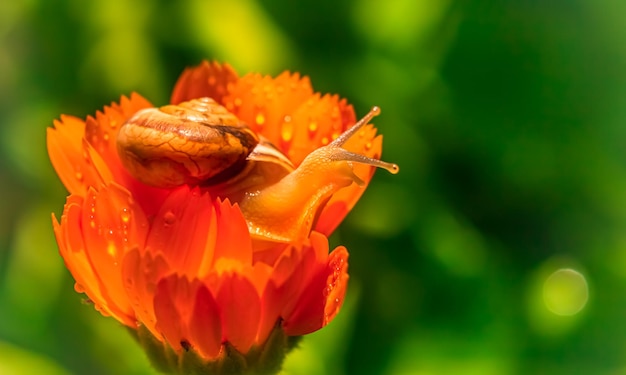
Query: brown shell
[{"x": 194, "y": 142}]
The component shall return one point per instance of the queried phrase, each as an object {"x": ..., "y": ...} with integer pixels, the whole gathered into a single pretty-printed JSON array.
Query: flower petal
[
  {"x": 233, "y": 239},
  {"x": 241, "y": 310},
  {"x": 264, "y": 103},
  {"x": 96, "y": 233},
  {"x": 323, "y": 296},
  {"x": 141, "y": 274},
  {"x": 209, "y": 79},
  {"x": 185, "y": 231},
  {"x": 205, "y": 326},
  {"x": 315, "y": 124},
  {"x": 101, "y": 130},
  {"x": 173, "y": 305},
  {"x": 70, "y": 157},
  {"x": 72, "y": 249}
]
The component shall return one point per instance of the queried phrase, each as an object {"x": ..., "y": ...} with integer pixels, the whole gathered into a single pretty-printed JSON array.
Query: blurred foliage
[{"x": 508, "y": 121}]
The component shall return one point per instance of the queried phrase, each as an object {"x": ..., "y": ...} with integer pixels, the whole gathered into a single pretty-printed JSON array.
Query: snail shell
[{"x": 193, "y": 142}]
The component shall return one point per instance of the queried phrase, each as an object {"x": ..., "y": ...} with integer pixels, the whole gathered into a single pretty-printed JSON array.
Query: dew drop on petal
[
  {"x": 125, "y": 215},
  {"x": 112, "y": 249},
  {"x": 324, "y": 141},
  {"x": 79, "y": 176},
  {"x": 335, "y": 136},
  {"x": 260, "y": 118},
  {"x": 113, "y": 124},
  {"x": 287, "y": 130},
  {"x": 237, "y": 102},
  {"x": 368, "y": 146},
  {"x": 169, "y": 218},
  {"x": 79, "y": 288},
  {"x": 212, "y": 80},
  {"x": 105, "y": 136},
  {"x": 312, "y": 128}
]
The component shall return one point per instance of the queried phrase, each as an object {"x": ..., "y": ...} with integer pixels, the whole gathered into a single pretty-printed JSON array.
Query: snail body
[{"x": 200, "y": 143}]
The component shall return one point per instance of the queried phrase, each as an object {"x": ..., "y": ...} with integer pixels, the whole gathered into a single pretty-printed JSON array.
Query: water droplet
[
  {"x": 237, "y": 102},
  {"x": 362, "y": 133},
  {"x": 324, "y": 141},
  {"x": 368, "y": 146},
  {"x": 287, "y": 131},
  {"x": 113, "y": 124},
  {"x": 92, "y": 224},
  {"x": 79, "y": 176},
  {"x": 169, "y": 218},
  {"x": 212, "y": 80},
  {"x": 335, "y": 135},
  {"x": 105, "y": 136},
  {"x": 260, "y": 118},
  {"x": 312, "y": 127},
  {"x": 125, "y": 215},
  {"x": 112, "y": 249}
]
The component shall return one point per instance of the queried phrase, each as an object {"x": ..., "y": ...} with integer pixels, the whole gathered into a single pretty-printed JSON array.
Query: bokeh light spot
[{"x": 565, "y": 292}]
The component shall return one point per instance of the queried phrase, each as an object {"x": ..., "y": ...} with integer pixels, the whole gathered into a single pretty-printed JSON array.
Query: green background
[{"x": 508, "y": 119}]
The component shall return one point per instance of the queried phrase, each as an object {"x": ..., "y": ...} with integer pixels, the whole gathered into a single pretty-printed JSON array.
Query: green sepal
[{"x": 265, "y": 359}]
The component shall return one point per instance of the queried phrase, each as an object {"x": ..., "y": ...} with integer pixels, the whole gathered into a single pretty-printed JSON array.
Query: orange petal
[
  {"x": 185, "y": 231},
  {"x": 323, "y": 296},
  {"x": 112, "y": 224},
  {"x": 264, "y": 103},
  {"x": 72, "y": 249},
  {"x": 94, "y": 235},
  {"x": 241, "y": 311},
  {"x": 209, "y": 79},
  {"x": 101, "y": 130},
  {"x": 233, "y": 239},
  {"x": 141, "y": 274},
  {"x": 172, "y": 307},
  {"x": 70, "y": 159},
  {"x": 205, "y": 327},
  {"x": 315, "y": 124},
  {"x": 291, "y": 275}
]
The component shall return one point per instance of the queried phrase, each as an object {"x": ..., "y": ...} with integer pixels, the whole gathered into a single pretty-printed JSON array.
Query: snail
[{"x": 199, "y": 142}]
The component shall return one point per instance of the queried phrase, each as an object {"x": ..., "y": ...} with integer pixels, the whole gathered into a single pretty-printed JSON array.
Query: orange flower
[{"x": 179, "y": 264}]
